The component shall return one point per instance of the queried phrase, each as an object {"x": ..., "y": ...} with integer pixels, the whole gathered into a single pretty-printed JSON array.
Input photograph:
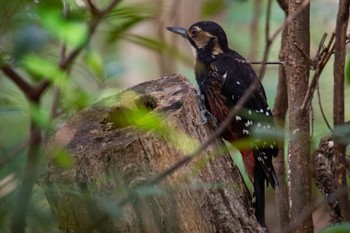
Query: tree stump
[{"x": 111, "y": 151}]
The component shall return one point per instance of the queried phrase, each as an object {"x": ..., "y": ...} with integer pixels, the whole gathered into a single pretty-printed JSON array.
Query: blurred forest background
[{"x": 130, "y": 46}]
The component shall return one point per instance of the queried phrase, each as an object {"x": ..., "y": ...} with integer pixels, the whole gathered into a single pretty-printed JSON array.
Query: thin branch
[
  {"x": 259, "y": 62},
  {"x": 321, "y": 108},
  {"x": 323, "y": 59},
  {"x": 310, "y": 61},
  {"x": 11, "y": 74},
  {"x": 91, "y": 7}
]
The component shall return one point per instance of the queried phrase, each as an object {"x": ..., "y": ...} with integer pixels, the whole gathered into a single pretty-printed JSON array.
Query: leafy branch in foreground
[{"x": 34, "y": 93}]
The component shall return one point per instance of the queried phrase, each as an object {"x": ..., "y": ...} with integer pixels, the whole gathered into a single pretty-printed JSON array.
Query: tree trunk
[
  {"x": 279, "y": 113},
  {"x": 338, "y": 102},
  {"x": 297, "y": 71},
  {"x": 101, "y": 191}
]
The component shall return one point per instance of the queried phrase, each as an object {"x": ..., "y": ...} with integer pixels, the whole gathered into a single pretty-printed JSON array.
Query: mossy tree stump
[{"x": 110, "y": 156}]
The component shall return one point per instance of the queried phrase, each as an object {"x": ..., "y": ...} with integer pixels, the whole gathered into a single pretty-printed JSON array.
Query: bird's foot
[{"x": 206, "y": 116}]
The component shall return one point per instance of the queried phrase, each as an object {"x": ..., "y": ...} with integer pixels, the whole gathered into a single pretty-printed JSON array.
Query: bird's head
[{"x": 207, "y": 36}]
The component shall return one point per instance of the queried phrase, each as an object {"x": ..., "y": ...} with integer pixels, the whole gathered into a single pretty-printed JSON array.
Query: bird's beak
[{"x": 178, "y": 30}]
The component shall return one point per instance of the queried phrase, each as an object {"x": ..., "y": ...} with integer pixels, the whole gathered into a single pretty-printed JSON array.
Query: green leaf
[
  {"x": 347, "y": 71},
  {"x": 213, "y": 7},
  {"x": 62, "y": 158},
  {"x": 94, "y": 62},
  {"x": 41, "y": 116},
  {"x": 41, "y": 68},
  {"x": 157, "y": 46},
  {"x": 72, "y": 32},
  {"x": 339, "y": 228}
]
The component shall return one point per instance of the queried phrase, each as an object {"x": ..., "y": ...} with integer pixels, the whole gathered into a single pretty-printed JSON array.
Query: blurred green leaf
[
  {"x": 339, "y": 228},
  {"x": 122, "y": 27},
  {"x": 133, "y": 11},
  {"x": 213, "y": 7},
  {"x": 347, "y": 71},
  {"x": 72, "y": 32},
  {"x": 62, "y": 158},
  {"x": 126, "y": 17},
  {"x": 45, "y": 69},
  {"x": 157, "y": 46},
  {"x": 41, "y": 116},
  {"x": 94, "y": 62},
  {"x": 74, "y": 98}
]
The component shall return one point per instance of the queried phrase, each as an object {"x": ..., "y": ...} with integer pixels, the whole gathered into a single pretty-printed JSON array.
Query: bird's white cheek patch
[{"x": 194, "y": 51}]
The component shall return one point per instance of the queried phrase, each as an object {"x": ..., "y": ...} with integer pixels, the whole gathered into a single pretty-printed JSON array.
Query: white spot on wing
[
  {"x": 238, "y": 82},
  {"x": 258, "y": 125},
  {"x": 245, "y": 131},
  {"x": 238, "y": 118},
  {"x": 267, "y": 114},
  {"x": 224, "y": 78},
  {"x": 250, "y": 112},
  {"x": 248, "y": 123}
]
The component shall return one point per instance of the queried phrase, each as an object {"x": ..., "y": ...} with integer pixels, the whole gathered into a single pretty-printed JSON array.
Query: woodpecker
[{"x": 223, "y": 78}]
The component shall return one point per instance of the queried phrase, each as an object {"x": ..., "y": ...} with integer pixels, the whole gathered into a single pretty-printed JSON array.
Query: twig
[
  {"x": 91, "y": 7},
  {"x": 25, "y": 87},
  {"x": 307, "y": 57},
  {"x": 259, "y": 62},
  {"x": 323, "y": 58},
  {"x": 321, "y": 109}
]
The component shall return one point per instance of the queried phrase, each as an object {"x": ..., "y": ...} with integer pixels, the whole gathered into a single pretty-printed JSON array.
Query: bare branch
[
  {"x": 322, "y": 59},
  {"x": 18, "y": 80},
  {"x": 259, "y": 62},
  {"x": 91, "y": 7},
  {"x": 321, "y": 108}
]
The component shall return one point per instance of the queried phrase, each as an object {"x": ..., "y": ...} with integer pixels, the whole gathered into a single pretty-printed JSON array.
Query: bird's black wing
[{"x": 255, "y": 119}]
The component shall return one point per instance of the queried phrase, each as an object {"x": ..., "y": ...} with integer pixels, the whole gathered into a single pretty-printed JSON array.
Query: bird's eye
[{"x": 194, "y": 30}]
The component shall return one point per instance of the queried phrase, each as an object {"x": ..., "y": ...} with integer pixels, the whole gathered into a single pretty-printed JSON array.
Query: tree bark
[
  {"x": 297, "y": 71},
  {"x": 338, "y": 101},
  {"x": 111, "y": 157},
  {"x": 280, "y": 112}
]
